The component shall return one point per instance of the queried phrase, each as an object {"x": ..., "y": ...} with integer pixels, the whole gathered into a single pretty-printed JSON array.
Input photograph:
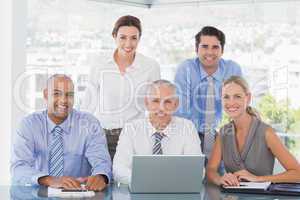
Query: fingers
[
  {"x": 238, "y": 176},
  {"x": 95, "y": 183},
  {"x": 56, "y": 182},
  {"x": 82, "y": 179},
  {"x": 70, "y": 183},
  {"x": 239, "y": 173},
  {"x": 89, "y": 182},
  {"x": 243, "y": 178},
  {"x": 244, "y": 175},
  {"x": 230, "y": 179}
]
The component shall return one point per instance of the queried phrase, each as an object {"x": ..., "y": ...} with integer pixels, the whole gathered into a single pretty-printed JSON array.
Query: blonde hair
[{"x": 245, "y": 86}]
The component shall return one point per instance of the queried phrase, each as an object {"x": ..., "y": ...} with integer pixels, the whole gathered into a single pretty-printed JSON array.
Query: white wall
[
  {"x": 5, "y": 83},
  {"x": 18, "y": 63},
  {"x": 12, "y": 64}
]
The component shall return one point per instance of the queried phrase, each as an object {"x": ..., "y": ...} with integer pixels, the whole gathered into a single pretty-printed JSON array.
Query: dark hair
[
  {"x": 244, "y": 85},
  {"x": 210, "y": 31},
  {"x": 127, "y": 20}
]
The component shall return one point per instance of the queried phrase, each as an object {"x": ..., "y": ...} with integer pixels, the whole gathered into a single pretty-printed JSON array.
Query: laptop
[{"x": 167, "y": 173}]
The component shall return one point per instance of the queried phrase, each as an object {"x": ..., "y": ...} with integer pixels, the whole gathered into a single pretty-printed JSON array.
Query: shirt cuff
[
  {"x": 106, "y": 180},
  {"x": 35, "y": 178},
  {"x": 105, "y": 175}
]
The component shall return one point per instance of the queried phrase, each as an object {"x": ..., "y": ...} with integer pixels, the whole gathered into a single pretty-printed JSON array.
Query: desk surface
[{"x": 121, "y": 193}]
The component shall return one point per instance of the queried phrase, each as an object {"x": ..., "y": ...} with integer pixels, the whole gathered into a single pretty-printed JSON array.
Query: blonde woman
[{"x": 247, "y": 145}]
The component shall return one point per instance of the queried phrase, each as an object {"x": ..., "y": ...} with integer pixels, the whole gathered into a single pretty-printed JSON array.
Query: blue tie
[
  {"x": 56, "y": 153},
  {"x": 209, "y": 133},
  {"x": 157, "y": 150}
]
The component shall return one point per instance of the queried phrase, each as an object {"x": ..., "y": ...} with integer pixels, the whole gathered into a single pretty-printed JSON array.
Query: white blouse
[{"x": 116, "y": 98}]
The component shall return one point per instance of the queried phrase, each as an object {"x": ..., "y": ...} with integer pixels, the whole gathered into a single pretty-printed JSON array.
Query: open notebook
[
  {"x": 63, "y": 193},
  {"x": 250, "y": 185},
  {"x": 265, "y": 188}
]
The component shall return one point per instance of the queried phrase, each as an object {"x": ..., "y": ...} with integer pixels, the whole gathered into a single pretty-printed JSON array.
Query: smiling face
[
  {"x": 127, "y": 39},
  {"x": 235, "y": 100},
  {"x": 209, "y": 51},
  {"x": 59, "y": 96},
  {"x": 161, "y": 103}
]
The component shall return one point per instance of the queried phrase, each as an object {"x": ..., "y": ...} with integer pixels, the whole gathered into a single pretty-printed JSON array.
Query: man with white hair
[{"x": 159, "y": 133}]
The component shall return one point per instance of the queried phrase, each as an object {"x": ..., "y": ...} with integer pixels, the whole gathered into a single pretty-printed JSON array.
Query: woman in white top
[{"x": 118, "y": 82}]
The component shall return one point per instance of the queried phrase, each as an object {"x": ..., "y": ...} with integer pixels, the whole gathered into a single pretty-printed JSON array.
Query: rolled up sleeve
[{"x": 97, "y": 152}]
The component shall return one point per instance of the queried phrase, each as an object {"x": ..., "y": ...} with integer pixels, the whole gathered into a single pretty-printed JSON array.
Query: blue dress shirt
[
  {"x": 191, "y": 82},
  {"x": 85, "y": 147}
]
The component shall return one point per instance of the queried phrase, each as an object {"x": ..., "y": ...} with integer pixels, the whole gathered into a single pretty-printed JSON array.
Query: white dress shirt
[
  {"x": 180, "y": 137},
  {"x": 116, "y": 98}
]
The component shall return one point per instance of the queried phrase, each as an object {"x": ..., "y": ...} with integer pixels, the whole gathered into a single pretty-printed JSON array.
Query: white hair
[{"x": 161, "y": 82}]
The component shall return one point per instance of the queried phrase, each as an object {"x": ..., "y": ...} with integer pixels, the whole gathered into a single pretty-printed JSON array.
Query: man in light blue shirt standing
[
  {"x": 60, "y": 147},
  {"x": 199, "y": 81}
]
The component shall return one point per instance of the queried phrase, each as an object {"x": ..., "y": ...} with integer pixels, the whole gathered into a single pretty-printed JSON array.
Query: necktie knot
[
  {"x": 57, "y": 131},
  {"x": 158, "y": 136},
  {"x": 210, "y": 80}
]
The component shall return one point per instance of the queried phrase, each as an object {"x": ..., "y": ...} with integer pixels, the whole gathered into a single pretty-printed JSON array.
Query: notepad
[
  {"x": 291, "y": 189},
  {"x": 57, "y": 192},
  {"x": 251, "y": 185},
  {"x": 286, "y": 188}
]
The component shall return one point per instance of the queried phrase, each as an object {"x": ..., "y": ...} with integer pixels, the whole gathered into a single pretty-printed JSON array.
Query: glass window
[{"x": 263, "y": 38}]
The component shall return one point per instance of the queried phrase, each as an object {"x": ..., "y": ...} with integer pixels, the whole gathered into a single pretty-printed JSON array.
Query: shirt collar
[
  {"x": 166, "y": 132},
  {"x": 203, "y": 75},
  {"x": 134, "y": 65},
  {"x": 65, "y": 125}
]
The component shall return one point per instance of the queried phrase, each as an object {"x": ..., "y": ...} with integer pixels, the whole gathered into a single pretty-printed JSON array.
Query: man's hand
[
  {"x": 246, "y": 176},
  {"x": 229, "y": 179},
  {"x": 65, "y": 182},
  {"x": 96, "y": 183}
]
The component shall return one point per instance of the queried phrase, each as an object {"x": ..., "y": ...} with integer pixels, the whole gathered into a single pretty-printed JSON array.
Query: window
[{"x": 263, "y": 38}]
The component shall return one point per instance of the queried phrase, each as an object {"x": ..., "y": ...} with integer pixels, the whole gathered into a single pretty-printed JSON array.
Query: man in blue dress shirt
[
  {"x": 60, "y": 147},
  {"x": 199, "y": 81}
]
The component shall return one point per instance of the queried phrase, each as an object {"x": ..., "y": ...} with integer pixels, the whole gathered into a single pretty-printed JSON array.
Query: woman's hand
[
  {"x": 229, "y": 179},
  {"x": 244, "y": 175}
]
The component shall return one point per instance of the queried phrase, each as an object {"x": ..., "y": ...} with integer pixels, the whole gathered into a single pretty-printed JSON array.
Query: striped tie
[
  {"x": 157, "y": 150},
  {"x": 209, "y": 133},
  {"x": 56, "y": 153}
]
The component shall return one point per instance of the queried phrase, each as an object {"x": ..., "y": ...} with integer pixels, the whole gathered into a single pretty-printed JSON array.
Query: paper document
[
  {"x": 250, "y": 185},
  {"x": 57, "y": 192}
]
